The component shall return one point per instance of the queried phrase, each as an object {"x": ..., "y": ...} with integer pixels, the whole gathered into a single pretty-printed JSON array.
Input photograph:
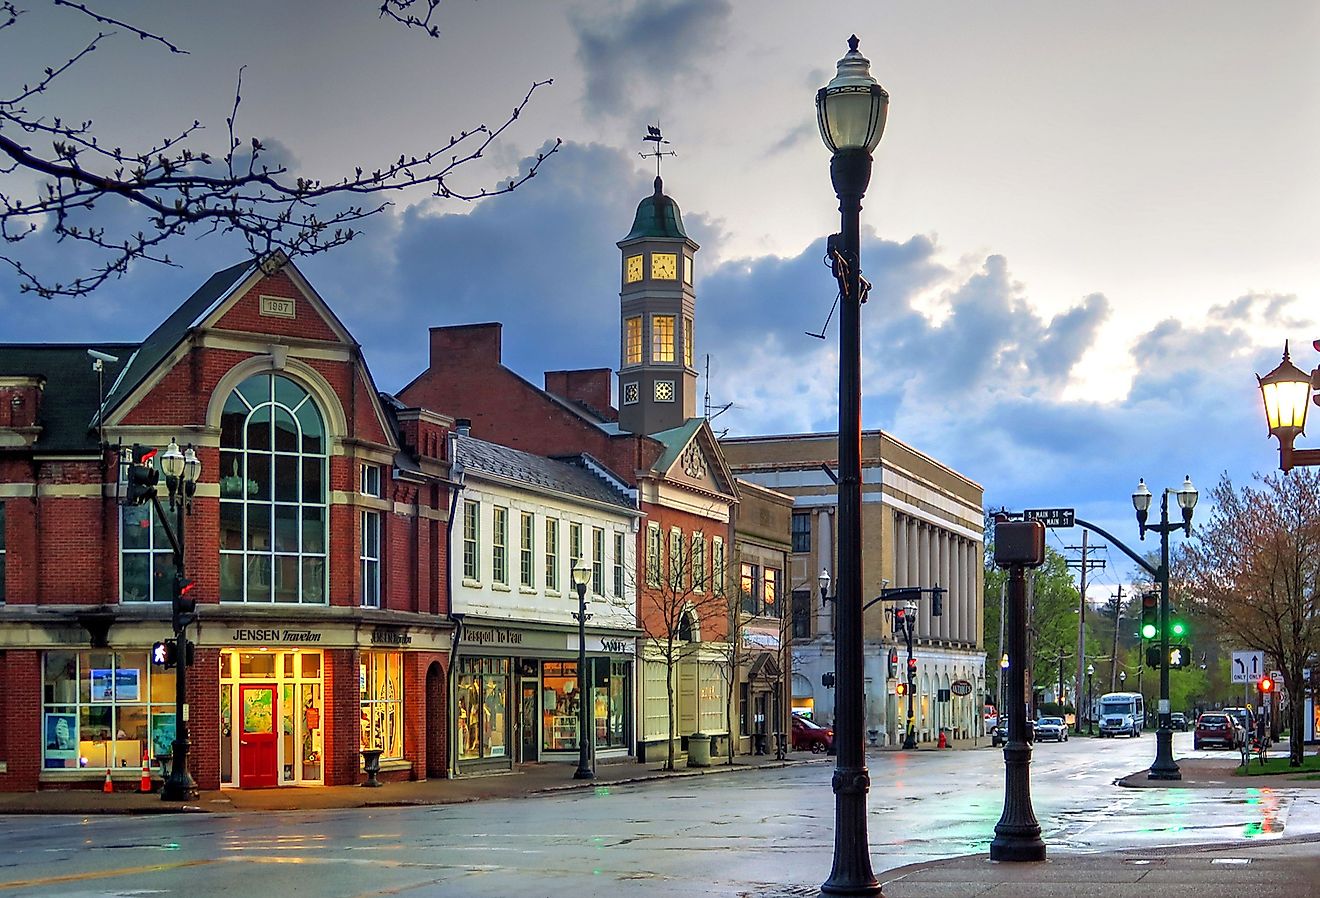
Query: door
[
  {"x": 529, "y": 716},
  {"x": 257, "y": 763}
]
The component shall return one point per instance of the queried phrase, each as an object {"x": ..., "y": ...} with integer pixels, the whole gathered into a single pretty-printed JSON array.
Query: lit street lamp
[
  {"x": 1286, "y": 392},
  {"x": 181, "y": 471},
  {"x": 851, "y": 112},
  {"x": 581, "y": 577}
]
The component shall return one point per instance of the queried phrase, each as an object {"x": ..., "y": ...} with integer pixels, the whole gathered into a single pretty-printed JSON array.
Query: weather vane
[{"x": 653, "y": 135}]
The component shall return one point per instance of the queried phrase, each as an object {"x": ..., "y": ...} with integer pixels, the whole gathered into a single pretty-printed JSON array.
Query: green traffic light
[
  {"x": 1179, "y": 628},
  {"x": 1148, "y": 631}
]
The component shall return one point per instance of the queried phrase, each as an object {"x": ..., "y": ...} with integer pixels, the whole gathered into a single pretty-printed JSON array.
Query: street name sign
[
  {"x": 1248, "y": 667},
  {"x": 1051, "y": 517}
]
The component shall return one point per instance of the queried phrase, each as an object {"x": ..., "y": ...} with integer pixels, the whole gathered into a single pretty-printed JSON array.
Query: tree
[
  {"x": 55, "y": 171},
  {"x": 681, "y": 594},
  {"x": 1256, "y": 571}
]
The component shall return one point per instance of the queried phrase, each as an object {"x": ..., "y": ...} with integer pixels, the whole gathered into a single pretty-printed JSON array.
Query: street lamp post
[
  {"x": 181, "y": 471},
  {"x": 851, "y": 112},
  {"x": 581, "y": 577},
  {"x": 1090, "y": 701},
  {"x": 1165, "y": 767},
  {"x": 1287, "y": 393}
]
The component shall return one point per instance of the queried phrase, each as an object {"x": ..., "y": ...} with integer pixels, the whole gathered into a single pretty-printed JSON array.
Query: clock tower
[{"x": 657, "y": 373}]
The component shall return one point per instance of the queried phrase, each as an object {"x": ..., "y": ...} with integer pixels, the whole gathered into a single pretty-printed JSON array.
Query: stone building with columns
[{"x": 921, "y": 527}]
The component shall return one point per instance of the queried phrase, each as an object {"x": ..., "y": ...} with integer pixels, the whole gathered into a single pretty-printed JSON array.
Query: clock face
[
  {"x": 634, "y": 272},
  {"x": 664, "y": 391},
  {"x": 631, "y": 394},
  {"x": 664, "y": 266}
]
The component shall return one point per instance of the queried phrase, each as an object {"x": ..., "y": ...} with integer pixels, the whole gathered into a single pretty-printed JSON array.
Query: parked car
[
  {"x": 1051, "y": 728},
  {"x": 999, "y": 735},
  {"x": 1216, "y": 728},
  {"x": 1178, "y": 722},
  {"x": 991, "y": 718},
  {"x": 1245, "y": 719},
  {"x": 811, "y": 736}
]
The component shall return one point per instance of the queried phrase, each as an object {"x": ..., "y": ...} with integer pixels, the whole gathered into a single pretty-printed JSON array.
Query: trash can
[{"x": 698, "y": 750}]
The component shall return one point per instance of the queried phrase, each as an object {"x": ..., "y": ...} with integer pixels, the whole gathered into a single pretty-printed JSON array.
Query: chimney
[
  {"x": 467, "y": 344},
  {"x": 463, "y": 426},
  {"x": 589, "y": 387}
]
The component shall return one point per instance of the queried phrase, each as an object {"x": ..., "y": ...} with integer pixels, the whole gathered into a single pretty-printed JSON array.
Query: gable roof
[
  {"x": 580, "y": 480},
  {"x": 173, "y": 329},
  {"x": 676, "y": 439},
  {"x": 71, "y": 393}
]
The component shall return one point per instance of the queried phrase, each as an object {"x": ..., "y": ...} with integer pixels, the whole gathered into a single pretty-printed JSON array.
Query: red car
[
  {"x": 1216, "y": 728},
  {"x": 811, "y": 736}
]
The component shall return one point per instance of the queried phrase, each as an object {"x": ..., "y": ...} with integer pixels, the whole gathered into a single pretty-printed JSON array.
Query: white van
[{"x": 1122, "y": 714}]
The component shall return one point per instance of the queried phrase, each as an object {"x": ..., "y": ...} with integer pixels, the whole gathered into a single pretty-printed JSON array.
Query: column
[
  {"x": 923, "y": 576},
  {"x": 946, "y": 619}
]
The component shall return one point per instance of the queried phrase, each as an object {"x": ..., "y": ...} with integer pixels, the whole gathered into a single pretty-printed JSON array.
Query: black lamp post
[
  {"x": 581, "y": 577},
  {"x": 1286, "y": 392},
  {"x": 851, "y": 112},
  {"x": 1165, "y": 767},
  {"x": 181, "y": 471},
  {"x": 1090, "y": 700}
]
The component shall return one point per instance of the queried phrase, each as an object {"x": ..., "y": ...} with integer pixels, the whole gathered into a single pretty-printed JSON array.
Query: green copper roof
[{"x": 657, "y": 216}]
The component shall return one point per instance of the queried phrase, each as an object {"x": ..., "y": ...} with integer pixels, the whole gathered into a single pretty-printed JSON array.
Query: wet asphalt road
[{"x": 763, "y": 833}]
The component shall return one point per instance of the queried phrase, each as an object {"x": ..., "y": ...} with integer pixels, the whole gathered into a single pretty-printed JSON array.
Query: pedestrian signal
[{"x": 901, "y": 689}]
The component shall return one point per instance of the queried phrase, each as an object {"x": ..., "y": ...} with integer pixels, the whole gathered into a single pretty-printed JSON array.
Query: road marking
[{"x": 100, "y": 874}]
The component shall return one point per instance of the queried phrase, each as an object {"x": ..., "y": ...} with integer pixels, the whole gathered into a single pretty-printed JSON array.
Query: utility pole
[
  {"x": 1060, "y": 695},
  {"x": 1086, "y": 564},
  {"x": 1118, "y": 615}
]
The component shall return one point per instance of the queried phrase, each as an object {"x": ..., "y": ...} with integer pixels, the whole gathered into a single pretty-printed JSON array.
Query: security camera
[{"x": 102, "y": 356}]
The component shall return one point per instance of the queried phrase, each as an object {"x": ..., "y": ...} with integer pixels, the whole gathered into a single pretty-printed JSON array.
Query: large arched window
[{"x": 273, "y": 514}]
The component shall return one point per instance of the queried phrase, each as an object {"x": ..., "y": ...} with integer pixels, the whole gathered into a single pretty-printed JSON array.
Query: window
[
  {"x": 687, "y": 269},
  {"x": 482, "y": 702},
  {"x": 2, "y": 551},
  {"x": 499, "y": 546},
  {"x": 273, "y": 509},
  {"x": 770, "y": 593},
  {"x": 687, "y": 342},
  {"x": 471, "y": 540},
  {"x": 699, "y": 562},
  {"x": 632, "y": 343},
  {"x": 750, "y": 586},
  {"x": 801, "y": 614},
  {"x": 653, "y": 556},
  {"x": 619, "y": 546},
  {"x": 801, "y": 531},
  {"x": 574, "y": 547},
  {"x": 609, "y": 688},
  {"x": 527, "y": 551},
  {"x": 676, "y": 572},
  {"x": 662, "y": 338},
  {"x": 146, "y": 561},
  {"x": 104, "y": 709},
  {"x": 632, "y": 394},
  {"x": 717, "y": 573},
  {"x": 552, "y": 554},
  {"x": 370, "y": 558},
  {"x": 597, "y": 561},
  {"x": 380, "y": 678}
]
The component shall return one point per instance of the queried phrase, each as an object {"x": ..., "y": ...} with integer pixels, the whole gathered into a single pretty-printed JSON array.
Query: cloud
[{"x": 645, "y": 49}]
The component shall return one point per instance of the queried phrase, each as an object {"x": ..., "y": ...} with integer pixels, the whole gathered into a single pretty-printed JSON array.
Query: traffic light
[
  {"x": 937, "y": 602},
  {"x": 184, "y": 602},
  {"x": 900, "y": 689},
  {"x": 912, "y": 668},
  {"x": 1180, "y": 655},
  {"x": 827, "y": 679},
  {"x": 1265, "y": 685},
  {"x": 900, "y": 620},
  {"x": 893, "y": 663},
  {"x": 142, "y": 476},
  {"x": 165, "y": 653},
  {"x": 1150, "y": 614},
  {"x": 1153, "y": 656},
  {"x": 1177, "y": 629}
]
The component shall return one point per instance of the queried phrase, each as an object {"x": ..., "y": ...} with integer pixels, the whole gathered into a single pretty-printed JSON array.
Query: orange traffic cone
[
  {"x": 944, "y": 743},
  {"x": 144, "y": 785},
  {"x": 107, "y": 787}
]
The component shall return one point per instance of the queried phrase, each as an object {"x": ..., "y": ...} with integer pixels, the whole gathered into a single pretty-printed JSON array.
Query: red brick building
[
  {"x": 317, "y": 543},
  {"x": 654, "y": 441}
]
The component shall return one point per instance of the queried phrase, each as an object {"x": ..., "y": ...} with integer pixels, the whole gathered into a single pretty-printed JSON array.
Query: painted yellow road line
[{"x": 99, "y": 874}]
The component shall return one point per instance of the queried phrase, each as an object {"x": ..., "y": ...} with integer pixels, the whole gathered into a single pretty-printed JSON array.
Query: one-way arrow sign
[{"x": 1051, "y": 517}]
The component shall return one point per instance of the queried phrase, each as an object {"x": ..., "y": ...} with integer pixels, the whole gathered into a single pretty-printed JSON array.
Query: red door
[{"x": 257, "y": 767}]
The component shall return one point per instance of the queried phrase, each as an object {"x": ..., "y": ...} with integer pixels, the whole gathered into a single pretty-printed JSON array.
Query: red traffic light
[{"x": 1265, "y": 685}]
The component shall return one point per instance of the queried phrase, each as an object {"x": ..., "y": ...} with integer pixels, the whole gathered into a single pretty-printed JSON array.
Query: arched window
[
  {"x": 273, "y": 514},
  {"x": 689, "y": 629}
]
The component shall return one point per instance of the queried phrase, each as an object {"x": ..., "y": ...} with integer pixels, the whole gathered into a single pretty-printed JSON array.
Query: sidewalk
[{"x": 529, "y": 779}]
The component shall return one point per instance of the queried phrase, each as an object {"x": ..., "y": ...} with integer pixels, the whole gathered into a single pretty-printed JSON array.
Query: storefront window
[
  {"x": 380, "y": 680},
  {"x": 483, "y": 699},
  {"x": 104, "y": 710},
  {"x": 559, "y": 703}
]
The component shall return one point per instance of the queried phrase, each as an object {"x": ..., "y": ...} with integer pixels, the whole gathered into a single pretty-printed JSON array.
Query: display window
[
  {"x": 381, "y": 683},
  {"x": 271, "y": 726},
  {"x": 609, "y": 692},
  {"x": 481, "y": 708},
  {"x": 104, "y": 710}
]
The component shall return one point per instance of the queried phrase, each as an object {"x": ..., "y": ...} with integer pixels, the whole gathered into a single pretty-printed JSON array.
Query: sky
[{"x": 1087, "y": 226}]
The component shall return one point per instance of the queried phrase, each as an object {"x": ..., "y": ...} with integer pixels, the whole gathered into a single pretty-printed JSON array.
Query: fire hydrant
[{"x": 944, "y": 743}]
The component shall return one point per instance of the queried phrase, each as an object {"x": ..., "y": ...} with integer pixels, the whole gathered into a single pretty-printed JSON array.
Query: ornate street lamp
[
  {"x": 1286, "y": 392},
  {"x": 581, "y": 577},
  {"x": 181, "y": 469},
  {"x": 851, "y": 112}
]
